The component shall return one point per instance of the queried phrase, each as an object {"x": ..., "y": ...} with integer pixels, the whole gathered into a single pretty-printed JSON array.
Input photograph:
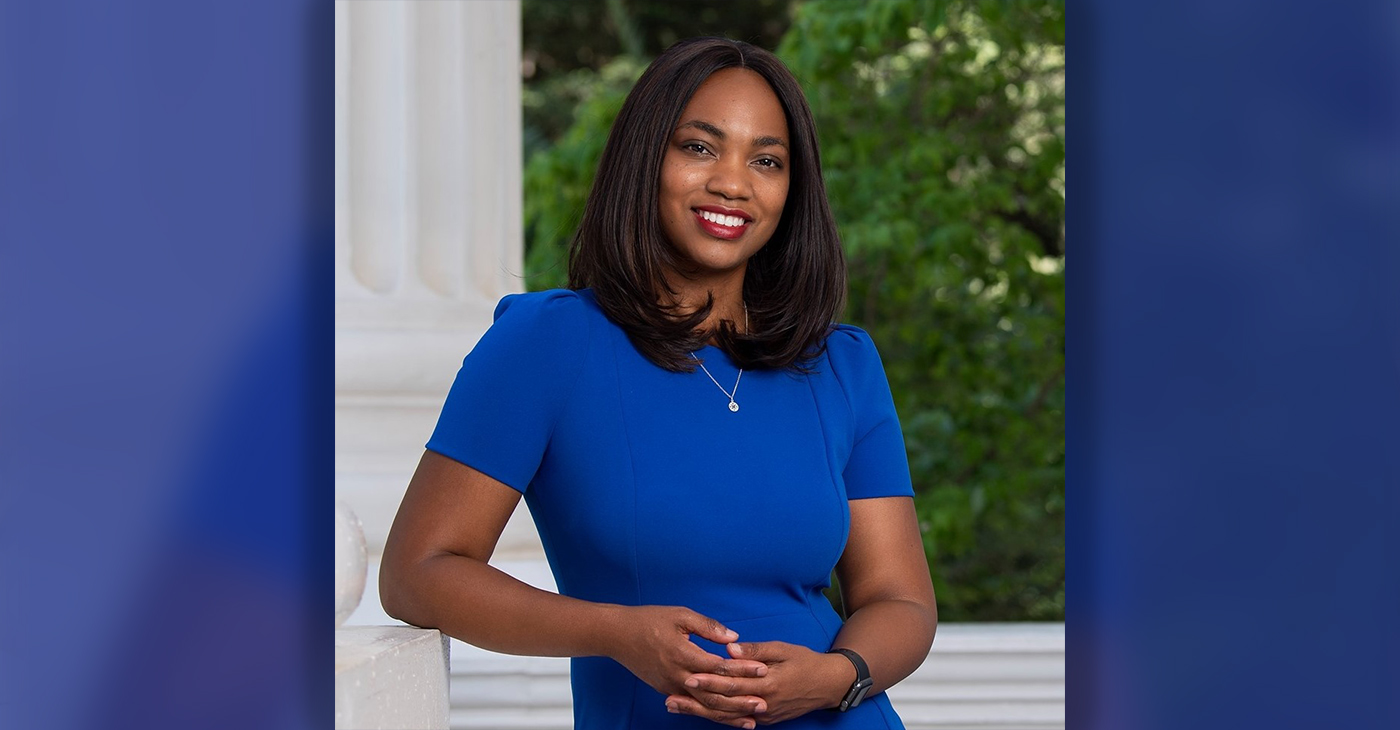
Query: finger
[
  {"x": 762, "y": 651},
  {"x": 708, "y": 628},
  {"x": 738, "y": 705},
  {"x": 682, "y": 705},
  {"x": 740, "y": 668},
  {"x": 695, "y": 660},
  {"x": 686, "y": 705},
  {"x": 728, "y": 686}
]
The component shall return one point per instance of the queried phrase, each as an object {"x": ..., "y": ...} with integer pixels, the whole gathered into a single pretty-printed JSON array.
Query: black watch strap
[{"x": 861, "y": 687}]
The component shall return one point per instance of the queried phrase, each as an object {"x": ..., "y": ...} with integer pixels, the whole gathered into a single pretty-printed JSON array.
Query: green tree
[
  {"x": 942, "y": 131},
  {"x": 566, "y": 43},
  {"x": 942, "y": 135}
]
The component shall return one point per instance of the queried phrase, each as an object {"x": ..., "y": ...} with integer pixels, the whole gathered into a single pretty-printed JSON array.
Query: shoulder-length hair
[{"x": 794, "y": 287}]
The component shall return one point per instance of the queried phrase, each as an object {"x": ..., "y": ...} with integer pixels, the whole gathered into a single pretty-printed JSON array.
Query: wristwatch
[{"x": 861, "y": 687}]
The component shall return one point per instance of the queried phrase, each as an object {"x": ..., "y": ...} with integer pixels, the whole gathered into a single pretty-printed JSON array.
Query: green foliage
[
  {"x": 565, "y": 43},
  {"x": 942, "y": 136},
  {"x": 560, "y": 36},
  {"x": 942, "y": 132},
  {"x": 557, "y": 181}
]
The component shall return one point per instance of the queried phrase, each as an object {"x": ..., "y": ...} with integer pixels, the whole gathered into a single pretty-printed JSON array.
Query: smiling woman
[
  {"x": 719, "y": 125},
  {"x": 724, "y": 181},
  {"x": 675, "y": 522}
]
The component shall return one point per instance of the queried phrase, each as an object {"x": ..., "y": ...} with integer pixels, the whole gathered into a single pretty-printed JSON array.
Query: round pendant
[{"x": 733, "y": 406}]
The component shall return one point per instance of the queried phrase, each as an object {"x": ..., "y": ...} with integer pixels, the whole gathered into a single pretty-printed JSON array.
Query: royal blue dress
[{"x": 647, "y": 489}]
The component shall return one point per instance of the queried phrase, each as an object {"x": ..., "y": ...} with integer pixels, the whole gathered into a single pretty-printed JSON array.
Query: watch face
[{"x": 859, "y": 690}]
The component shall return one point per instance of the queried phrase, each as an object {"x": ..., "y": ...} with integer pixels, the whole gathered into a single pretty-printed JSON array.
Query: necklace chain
[{"x": 733, "y": 406}]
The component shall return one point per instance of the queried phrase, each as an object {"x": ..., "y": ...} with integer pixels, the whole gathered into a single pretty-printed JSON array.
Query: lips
[{"x": 725, "y": 223}]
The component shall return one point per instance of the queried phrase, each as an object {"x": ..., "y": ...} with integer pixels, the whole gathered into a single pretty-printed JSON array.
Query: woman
[{"x": 698, "y": 444}]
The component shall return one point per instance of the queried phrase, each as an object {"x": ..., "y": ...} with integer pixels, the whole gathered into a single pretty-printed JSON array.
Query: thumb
[{"x": 708, "y": 628}]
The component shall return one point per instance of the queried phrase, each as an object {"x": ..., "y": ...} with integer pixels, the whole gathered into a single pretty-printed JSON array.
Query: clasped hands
[{"x": 761, "y": 682}]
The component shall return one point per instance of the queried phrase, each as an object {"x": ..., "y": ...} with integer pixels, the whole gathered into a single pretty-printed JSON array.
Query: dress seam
[
  {"x": 582, "y": 361},
  {"x": 830, "y": 638},
  {"x": 846, "y": 396},
  {"x": 632, "y": 467},
  {"x": 838, "y": 490}
]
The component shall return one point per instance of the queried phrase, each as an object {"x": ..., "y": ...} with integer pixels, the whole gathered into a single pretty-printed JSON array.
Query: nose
[{"x": 729, "y": 179}]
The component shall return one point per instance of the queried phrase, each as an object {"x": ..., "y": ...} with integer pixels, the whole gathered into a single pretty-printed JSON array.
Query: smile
[{"x": 720, "y": 225}]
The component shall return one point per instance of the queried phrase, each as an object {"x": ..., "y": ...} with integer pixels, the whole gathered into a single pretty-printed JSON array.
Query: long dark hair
[{"x": 794, "y": 286}]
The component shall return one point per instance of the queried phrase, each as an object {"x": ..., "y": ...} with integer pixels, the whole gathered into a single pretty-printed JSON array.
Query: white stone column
[{"x": 427, "y": 229}]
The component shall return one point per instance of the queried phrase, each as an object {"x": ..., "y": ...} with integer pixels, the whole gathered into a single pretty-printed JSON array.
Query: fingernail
[
  {"x": 692, "y": 682},
  {"x": 760, "y": 707},
  {"x": 671, "y": 707},
  {"x": 737, "y": 649},
  {"x": 762, "y": 671},
  {"x": 748, "y": 726}
]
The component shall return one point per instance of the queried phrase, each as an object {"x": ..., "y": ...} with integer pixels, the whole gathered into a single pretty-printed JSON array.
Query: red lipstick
[
  {"x": 721, "y": 222},
  {"x": 721, "y": 210}
]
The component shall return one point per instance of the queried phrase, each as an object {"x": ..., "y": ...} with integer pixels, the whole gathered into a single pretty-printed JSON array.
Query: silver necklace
[{"x": 733, "y": 406}]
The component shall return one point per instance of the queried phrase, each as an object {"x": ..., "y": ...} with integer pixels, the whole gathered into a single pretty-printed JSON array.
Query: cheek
[
  {"x": 776, "y": 190},
  {"x": 679, "y": 177},
  {"x": 670, "y": 185},
  {"x": 777, "y": 198}
]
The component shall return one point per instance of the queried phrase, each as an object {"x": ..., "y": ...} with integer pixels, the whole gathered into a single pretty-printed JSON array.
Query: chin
[{"x": 714, "y": 264}]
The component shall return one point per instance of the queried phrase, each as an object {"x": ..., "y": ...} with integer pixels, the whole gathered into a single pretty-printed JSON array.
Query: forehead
[{"x": 737, "y": 99}]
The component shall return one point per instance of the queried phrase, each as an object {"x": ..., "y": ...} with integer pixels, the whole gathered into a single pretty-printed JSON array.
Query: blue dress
[{"x": 647, "y": 489}]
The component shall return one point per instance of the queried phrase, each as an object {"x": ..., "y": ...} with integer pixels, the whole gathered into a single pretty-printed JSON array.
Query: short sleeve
[
  {"x": 513, "y": 385},
  {"x": 878, "y": 466}
]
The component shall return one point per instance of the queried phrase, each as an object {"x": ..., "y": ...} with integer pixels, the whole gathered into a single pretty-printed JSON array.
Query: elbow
[
  {"x": 923, "y": 623},
  {"x": 929, "y": 610},
  {"x": 406, "y": 589},
  {"x": 390, "y": 597},
  {"x": 395, "y": 593},
  {"x": 931, "y": 617}
]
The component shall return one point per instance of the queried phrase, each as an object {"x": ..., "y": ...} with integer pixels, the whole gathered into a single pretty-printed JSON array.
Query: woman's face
[{"x": 724, "y": 177}]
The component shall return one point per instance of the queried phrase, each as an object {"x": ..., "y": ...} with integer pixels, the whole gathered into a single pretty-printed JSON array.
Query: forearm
[
  {"x": 892, "y": 636},
  {"x": 470, "y": 600}
]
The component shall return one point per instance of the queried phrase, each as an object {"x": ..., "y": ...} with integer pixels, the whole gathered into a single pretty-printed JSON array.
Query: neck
[{"x": 728, "y": 293}]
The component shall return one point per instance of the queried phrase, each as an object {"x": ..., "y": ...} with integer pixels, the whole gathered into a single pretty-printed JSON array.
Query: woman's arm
[
  {"x": 435, "y": 574},
  {"x": 887, "y": 592},
  {"x": 892, "y": 616},
  {"x": 435, "y": 571}
]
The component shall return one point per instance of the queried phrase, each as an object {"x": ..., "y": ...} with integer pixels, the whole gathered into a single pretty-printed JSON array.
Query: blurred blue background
[
  {"x": 1232, "y": 351},
  {"x": 165, "y": 232}
]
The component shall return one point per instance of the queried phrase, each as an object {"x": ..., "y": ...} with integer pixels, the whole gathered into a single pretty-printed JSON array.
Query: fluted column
[{"x": 428, "y": 225}]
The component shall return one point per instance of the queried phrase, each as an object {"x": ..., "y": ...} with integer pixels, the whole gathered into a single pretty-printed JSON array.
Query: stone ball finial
[{"x": 351, "y": 561}]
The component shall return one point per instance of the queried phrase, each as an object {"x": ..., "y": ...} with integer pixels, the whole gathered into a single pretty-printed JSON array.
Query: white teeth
[{"x": 728, "y": 221}]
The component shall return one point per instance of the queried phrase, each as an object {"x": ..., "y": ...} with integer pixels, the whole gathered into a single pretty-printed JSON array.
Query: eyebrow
[{"x": 760, "y": 141}]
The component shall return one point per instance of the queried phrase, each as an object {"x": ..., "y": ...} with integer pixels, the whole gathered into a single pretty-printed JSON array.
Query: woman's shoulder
[
  {"x": 546, "y": 310},
  {"x": 847, "y": 344},
  {"x": 853, "y": 360},
  {"x": 549, "y": 303},
  {"x": 549, "y": 319}
]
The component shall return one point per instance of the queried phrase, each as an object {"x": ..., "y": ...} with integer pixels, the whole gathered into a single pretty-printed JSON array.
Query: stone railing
[{"x": 385, "y": 676}]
